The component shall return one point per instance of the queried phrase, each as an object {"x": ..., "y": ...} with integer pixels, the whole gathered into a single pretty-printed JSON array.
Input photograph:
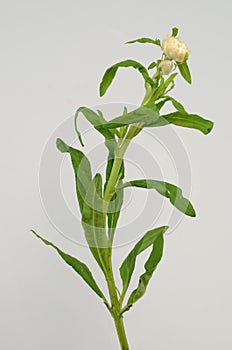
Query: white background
[{"x": 53, "y": 54}]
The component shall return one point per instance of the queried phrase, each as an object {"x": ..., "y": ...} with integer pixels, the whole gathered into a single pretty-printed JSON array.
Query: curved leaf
[
  {"x": 81, "y": 167},
  {"x": 77, "y": 266},
  {"x": 145, "y": 41},
  {"x": 150, "y": 266},
  {"x": 128, "y": 265},
  {"x": 96, "y": 119},
  {"x": 111, "y": 72},
  {"x": 176, "y": 104},
  {"x": 168, "y": 190}
]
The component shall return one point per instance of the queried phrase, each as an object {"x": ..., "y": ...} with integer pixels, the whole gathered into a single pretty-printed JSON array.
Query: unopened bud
[{"x": 166, "y": 66}]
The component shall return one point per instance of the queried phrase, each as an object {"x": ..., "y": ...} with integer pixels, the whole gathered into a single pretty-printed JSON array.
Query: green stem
[
  {"x": 119, "y": 324},
  {"x": 115, "y": 308},
  {"x": 116, "y": 301}
]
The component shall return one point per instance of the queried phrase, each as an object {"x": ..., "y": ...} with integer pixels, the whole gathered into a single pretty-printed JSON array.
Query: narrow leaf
[
  {"x": 184, "y": 71},
  {"x": 186, "y": 120},
  {"x": 77, "y": 266},
  {"x": 82, "y": 170},
  {"x": 145, "y": 41},
  {"x": 152, "y": 65},
  {"x": 93, "y": 222},
  {"x": 145, "y": 114},
  {"x": 168, "y": 190},
  {"x": 150, "y": 267},
  {"x": 128, "y": 265},
  {"x": 111, "y": 72},
  {"x": 96, "y": 119},
  {"x": 176, "y": 104}
]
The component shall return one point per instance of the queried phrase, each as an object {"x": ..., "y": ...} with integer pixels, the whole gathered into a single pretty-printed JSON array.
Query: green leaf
[
  {"x": 150, "y": 267},
  {"x": 145, "y": 41},
  {"x": 145, "y": 114},
  {"x": 82, "y": 170},
  {"x": 168, "y": 190},
  {"x": 170, "y": 80},
  {"x": 97, "y": 120},
  {"x": 128, "y": 265},
  {"x": 176, "y": 104},
  {"x": 186, "y": 120},
  {"x": 175, "y": 31},
  {"x": 111, "y": 72},
  {"x": 77, "y": 266},
  {"x": 152, "y": 65},
  {"x": 93, "y": 222},
  {"x": 184, "y": 71}
]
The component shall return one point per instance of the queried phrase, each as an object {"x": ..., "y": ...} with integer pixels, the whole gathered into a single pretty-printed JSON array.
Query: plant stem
[
  {"x": 115, "y": 309},
  {"x": 119, "y": 324},
  {"x": 116, "y": 301}
]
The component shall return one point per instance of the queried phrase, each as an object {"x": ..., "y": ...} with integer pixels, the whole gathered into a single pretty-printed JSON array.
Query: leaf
[
  {"x": 186, "y": 120},
  {"x": 145, "y": 114},
  {"x": 128, "y": 265},
  {"x": 168, "y": 190},
  {"x": 175, "y": 31},
  {"x": 93, "y": 222},
  {"x": 77, "y": 266},
  {"x": 184, "y": 71},
  {"x": 150, "y": 266},
  {"x": 81, "y": 167},
  {"x": 111, "y": 72},
  {"x": 145, "y": 41},
  {"x": 176, "y": 104},
  {"x": 152, "y": 65},
  {"x": 97, "y": 120}
]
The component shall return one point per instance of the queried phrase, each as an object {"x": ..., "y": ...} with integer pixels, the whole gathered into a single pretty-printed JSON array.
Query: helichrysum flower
[
  {"x": 166, "y": 66},
  {"x": 175, "y": 49}
]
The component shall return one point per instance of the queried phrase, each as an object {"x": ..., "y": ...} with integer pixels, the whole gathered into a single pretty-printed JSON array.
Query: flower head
[
  {"x": 175, "y": 49},
  {"x": 166, "y": 66}
]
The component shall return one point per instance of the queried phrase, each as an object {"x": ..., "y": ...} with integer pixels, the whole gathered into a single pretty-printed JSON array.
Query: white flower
[
  {"x": 175, "y": 49},
  {"x": 166, "y": 66}
]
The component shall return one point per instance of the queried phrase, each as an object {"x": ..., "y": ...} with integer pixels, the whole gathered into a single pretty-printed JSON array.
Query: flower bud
[
  {"x": 175, "y": 49},
  {"x": 166, "y": 66}
]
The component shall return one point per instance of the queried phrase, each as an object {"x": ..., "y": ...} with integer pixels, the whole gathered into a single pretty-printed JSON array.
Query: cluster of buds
[{"x": 174, "y": 50}]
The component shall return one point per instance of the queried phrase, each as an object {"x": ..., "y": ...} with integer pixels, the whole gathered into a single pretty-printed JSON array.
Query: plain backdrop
[{"x": 52, "y": 57}]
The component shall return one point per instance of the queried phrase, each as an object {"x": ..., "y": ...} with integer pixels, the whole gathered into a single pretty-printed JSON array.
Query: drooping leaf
[
  {"x": 175, "y": 31},
  {"x": 96, "y": 119},
  {"x": 145, "y": 41},
  {"x": 150, "y": 266},
  {"x": 81, "y": 167},
  {"x": 176, "y": 104},
  {"x": 184, "y": 71},
  {"x": 93, "y": 222},
  {"x": 77, "y": 266},
  {"x": 166, "y": 189},
  {"x": 128, "y": 265},
  {"x": 111, "y": 72}
]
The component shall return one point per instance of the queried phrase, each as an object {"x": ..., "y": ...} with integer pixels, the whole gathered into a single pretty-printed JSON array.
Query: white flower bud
[
  {"x": 166, "y": 66},
  {"x": 175, "y": 49}
]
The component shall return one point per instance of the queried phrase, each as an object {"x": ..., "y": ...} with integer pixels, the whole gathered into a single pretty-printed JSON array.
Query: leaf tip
[{"x": 62, "y": 146}]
